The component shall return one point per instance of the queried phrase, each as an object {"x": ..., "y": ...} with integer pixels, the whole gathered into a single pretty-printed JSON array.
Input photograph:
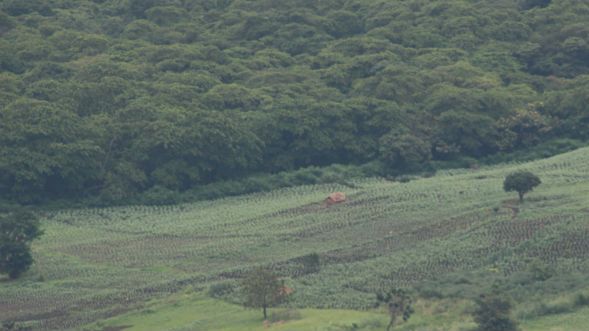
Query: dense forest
[{"x": 110, "y": 98}]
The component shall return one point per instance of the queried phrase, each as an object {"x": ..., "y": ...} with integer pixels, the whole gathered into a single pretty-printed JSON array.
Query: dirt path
[{"x": 513, "y": 206}]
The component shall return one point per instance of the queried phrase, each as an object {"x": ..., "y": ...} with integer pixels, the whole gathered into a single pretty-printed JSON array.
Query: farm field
[{"x": 95, "y": 264}]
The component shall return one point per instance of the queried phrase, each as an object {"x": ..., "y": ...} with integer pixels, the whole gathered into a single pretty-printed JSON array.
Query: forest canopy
[{"x": 110, "y": 98}]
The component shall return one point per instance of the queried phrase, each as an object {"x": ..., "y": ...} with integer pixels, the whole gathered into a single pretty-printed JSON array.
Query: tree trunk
[
  {"x": 391, "y": 323},
  {"x": 521, "y": 196},
  {"x": 265, "y": 315}
]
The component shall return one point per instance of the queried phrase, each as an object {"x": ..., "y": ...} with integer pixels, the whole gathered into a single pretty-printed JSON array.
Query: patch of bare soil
[{"x": 513, "y": 206}]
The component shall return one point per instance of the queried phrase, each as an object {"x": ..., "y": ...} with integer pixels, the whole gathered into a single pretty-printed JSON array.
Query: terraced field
[{"x": 96, "y": 263}]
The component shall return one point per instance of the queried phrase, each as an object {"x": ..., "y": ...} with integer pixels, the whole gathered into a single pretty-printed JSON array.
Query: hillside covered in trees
[{"x": 111, "y": 98}]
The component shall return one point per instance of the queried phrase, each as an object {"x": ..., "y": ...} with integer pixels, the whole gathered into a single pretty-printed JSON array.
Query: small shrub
[
  {"x": 12, "y": 326},
  {"x": 540, "y": 270},
  {"x": 220, "y": 290},
  {"x": 147, "y": 311},
  {"x": 405, "y": 178},
  {"x": 544, "y": 309},
  {"x": 581, "y": 300},
  {"x": 493, "y": 313},
  {"x": 311, "y": 263},
  {"x": 430, "y": 292},
  {"x": 8, "y": 325},
  {"x": 159, "y": 195}
]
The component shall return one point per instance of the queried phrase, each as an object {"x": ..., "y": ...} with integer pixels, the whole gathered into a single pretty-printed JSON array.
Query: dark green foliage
[
  {"x": 18, "y": 229},
  {"x": 404, "y": 151},
  {"x": 522, "y": 182},
  {"x": 493, "y": 313},
  {"x": 106, "y": 100},
  {"x": 540, "y": 270},
  {"x": 15, "y": 258},
  {"x": 19, "y": 226},
  {"x": 6, "y": 23},
  {"x": 262, "y": 289},
  {"x": 311, "y": 263},
  {"x": 529, "y": 4},
  {"x": 339, "y": 174},
  {"x": 220, "y": 290},
  {"x": 16, "y": 7},
  {"x": 343, "y": 23},
  {"x": 15, "y": 326},
  {"x": 581, "y": 300},
  {"x": 8, "y": 325}
]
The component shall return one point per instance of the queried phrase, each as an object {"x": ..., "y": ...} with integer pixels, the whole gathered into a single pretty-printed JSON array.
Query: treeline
[{"x": 110, "y": 98}]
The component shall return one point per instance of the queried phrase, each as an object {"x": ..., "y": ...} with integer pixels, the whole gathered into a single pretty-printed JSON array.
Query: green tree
[
  {"x": 493, "y": 314},
  {"x": 403, "y": 151},
  {"x": 17, "y": 230},
  {"x": 79, "y": 76},
  {"x": 398, "y": 303},
  {"x": 343, "y": 23},
  {"x": 262, "y": 289},
  {"x": 44, "y": 149},
  {"x": 15, "y": 258},
  {"x": 529, "y": 4},
  {"x": 522, "y": 182},
  {"x": 524, "y": 128},
  {"x": 474, "y": 134}
]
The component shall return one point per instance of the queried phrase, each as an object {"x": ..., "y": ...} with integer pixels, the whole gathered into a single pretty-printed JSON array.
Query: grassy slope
[
  {"x": 96, "y": 263},
  {"x": 194, "y": 312}
]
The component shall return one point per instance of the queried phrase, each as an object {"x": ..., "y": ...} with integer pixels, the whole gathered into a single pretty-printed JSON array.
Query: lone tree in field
[
  {"x": 263, "y": 289},
  {"x": 398, "y": 303},
  {"x": 522, "y": 182},
  {"x": 17, "y": 230},
  {"x": 493, "y": 313}
]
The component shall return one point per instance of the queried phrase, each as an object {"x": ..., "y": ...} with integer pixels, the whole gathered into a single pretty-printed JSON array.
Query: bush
[
  {"x": 552, "y": 308},
  {"x": 220, "y": 290},
  {"x": 159, "y": 195},
  {"x": 311, "y": 263},
  {"x": 581, "y": 300},
  {"x": 15, "y": 259},
  {"x": 493, "y": 314}
]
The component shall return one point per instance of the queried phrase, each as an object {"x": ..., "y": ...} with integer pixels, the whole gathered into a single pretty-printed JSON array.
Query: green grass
[
  {"x": 93, "y": 264},
  {"x": 196, "y": 312},
  {"x": 575, "y": 321}
]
